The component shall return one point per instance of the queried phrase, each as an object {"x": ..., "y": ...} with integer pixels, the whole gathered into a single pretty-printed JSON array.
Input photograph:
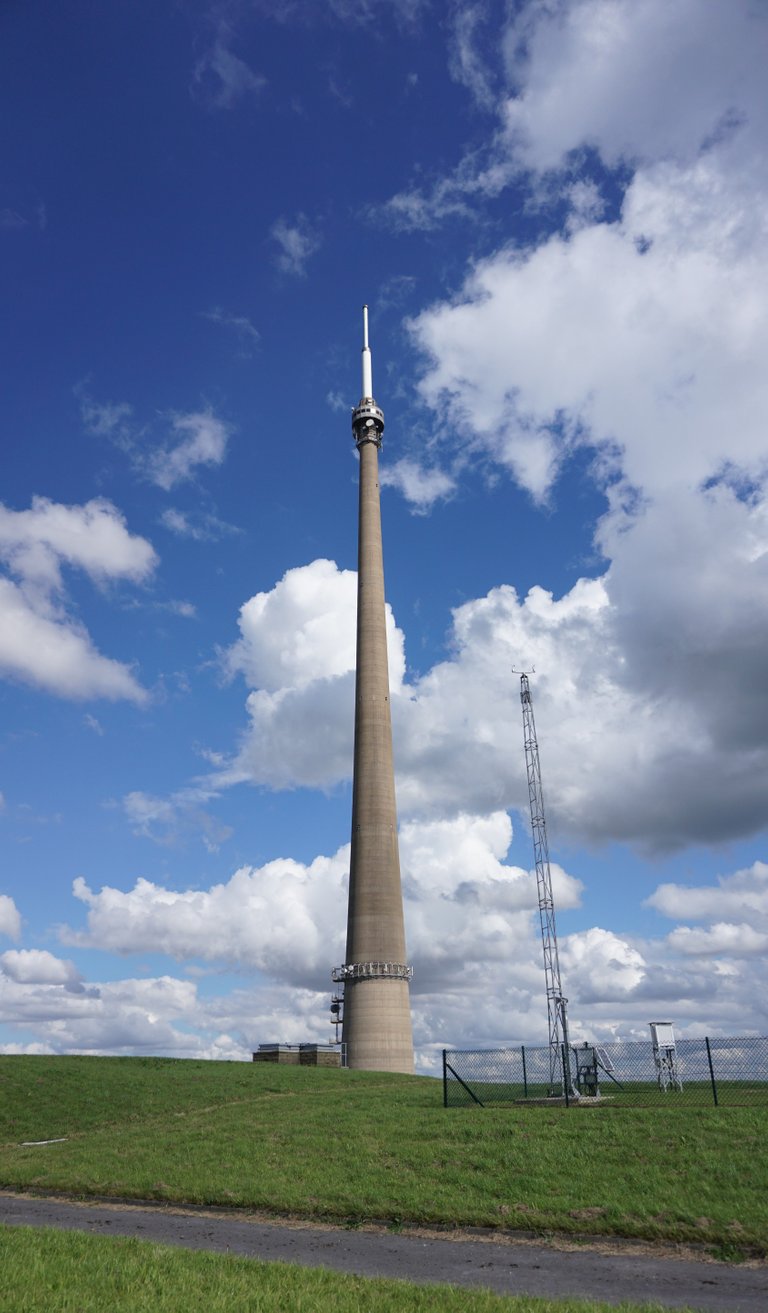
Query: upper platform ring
[{"x": 368, "y": 422}]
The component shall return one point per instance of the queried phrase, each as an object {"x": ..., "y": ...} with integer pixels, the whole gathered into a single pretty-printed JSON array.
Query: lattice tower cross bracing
[{"x": 557, "y": 1015}]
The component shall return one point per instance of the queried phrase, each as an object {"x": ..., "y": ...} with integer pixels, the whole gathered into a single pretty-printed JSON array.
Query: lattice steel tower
[
  {"x": 376, "y": 1026},
  {"x": 556, "y": 1002}
]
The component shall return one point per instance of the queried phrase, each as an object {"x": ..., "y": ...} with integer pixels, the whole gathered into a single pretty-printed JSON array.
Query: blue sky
[{"x": 556, "y": 213}]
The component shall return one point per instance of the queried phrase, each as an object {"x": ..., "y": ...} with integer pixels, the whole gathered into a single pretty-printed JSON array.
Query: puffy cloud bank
[
  {"x": 283, "y": 919},
  {"x": 640, "y": 742},
  {"x": 733, "y": 916},
  {"x": 641, "y": 336},
  {"x": 466, "y": 908},
  {"x": 40, "y": 992},
  {"x": 473, "y": 939}
]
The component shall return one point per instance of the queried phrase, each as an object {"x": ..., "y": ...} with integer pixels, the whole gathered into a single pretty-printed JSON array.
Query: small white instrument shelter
[
  {"x": 662, "y": 1034},
  {"x": 665, "y": 1056}
]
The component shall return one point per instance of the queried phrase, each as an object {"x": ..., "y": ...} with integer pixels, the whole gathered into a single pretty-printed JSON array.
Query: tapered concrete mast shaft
[
  {"x": 377, "y": 1018},
  {"x": 375, "y": 926}
]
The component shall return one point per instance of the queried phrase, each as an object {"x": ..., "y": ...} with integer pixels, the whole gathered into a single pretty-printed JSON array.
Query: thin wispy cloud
[
  {"x": 197, "y": 439},
  {"x": 13, "y": 219},
  {"x": 468, "y": 64},
  {"x": 247, "y": 336},
  {"x": 176, "y": 606},
  {"x": 296, "y": 243},
  {"x": 336, "y": 400},
  {"x": 108, "y": 419},
  {"x": 221, "y": 78},
  {"x": 202, "y": 526},
  {"x": 202, "y": 441}
]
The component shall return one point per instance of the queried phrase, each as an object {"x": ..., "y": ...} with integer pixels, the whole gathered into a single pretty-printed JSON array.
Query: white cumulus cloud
[
  {"x": 463, "y": 905},
  {"x": 36, "y": 966},
  {"x": 633, "y": 78},
  {"x": 470, "y": 917},
  {"x": 10, "y": 917},
  {"x": 421, "y": 485},
  {"x": 297, "y": 653},
  {"x": 641, "y": 336},
  {"x": 721, "y": 939},
  {"x": 124, "y": 1016},
  {"x": 35, "y": 543},
  {"x": 742, "y": 896},
  {"x": 304, "y": 630},
  {"x": 602, "y": 965},
  {"x": 41, "y": 643},
  {"x": 649, "y": 643},
  {"x": 55, "y": 653},
  {"x": 650, "y": 353}
]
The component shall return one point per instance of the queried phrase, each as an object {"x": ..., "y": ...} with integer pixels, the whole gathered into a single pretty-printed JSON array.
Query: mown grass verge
[
  {"x": 355, "y": 1146},
  {"x": 69, "y": 1273}
]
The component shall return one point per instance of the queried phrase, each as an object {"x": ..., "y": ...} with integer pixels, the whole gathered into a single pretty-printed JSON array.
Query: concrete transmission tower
[
  {"x": 557, "y": 1004},
  {"x": 376, "y": 1024}
]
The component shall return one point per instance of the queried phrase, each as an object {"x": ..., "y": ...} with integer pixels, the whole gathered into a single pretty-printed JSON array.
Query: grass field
[
  {"x": 66, "y": 1273},
  {"x": 352, "y": 1146},
  {"x": 632, "y": 1094}
]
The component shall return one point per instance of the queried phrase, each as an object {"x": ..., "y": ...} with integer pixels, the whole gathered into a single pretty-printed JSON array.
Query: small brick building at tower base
[{"x": 305, "y": 1055}]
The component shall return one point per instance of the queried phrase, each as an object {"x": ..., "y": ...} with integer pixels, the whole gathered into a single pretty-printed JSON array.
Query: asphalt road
[{"x": 506, "y": 1266}]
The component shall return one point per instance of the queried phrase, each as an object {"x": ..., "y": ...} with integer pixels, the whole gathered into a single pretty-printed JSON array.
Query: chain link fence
[{"x": 693, "y": 1072}]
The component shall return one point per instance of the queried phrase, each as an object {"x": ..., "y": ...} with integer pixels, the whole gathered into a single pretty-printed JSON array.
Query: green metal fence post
[
  {"x": 711, "y": 1070},
  {"x": 566, "y": 1075},
  {"x": 525, "y": 1074},
  {"x": 445, "y": 1079}
]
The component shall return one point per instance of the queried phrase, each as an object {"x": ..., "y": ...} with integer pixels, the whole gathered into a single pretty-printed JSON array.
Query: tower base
[{"x": 377, "y": 1025}]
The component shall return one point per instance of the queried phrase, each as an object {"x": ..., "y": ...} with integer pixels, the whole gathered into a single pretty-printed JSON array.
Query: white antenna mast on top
[
  {"x": 367, "y": 368},
  {"x": 367, "y": 417}
]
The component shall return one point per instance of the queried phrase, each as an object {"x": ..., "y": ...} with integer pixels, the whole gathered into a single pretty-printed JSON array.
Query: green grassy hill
[{"x": 351, "y": 1146}]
